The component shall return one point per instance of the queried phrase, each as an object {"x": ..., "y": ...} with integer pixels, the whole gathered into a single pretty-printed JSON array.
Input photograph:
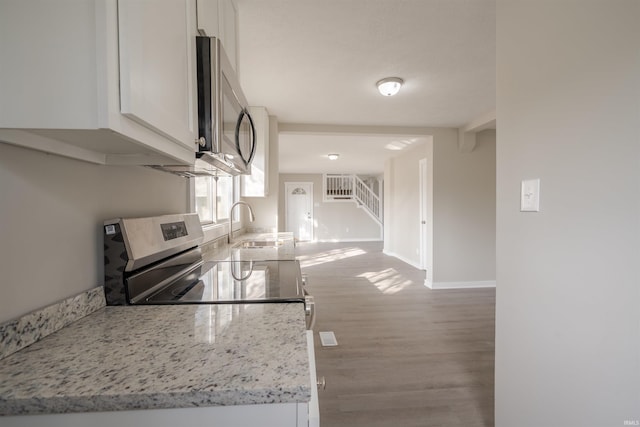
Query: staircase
[{"x": 347, "y": 187}]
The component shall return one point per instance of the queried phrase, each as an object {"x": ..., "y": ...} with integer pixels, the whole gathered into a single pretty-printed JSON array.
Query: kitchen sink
[{"x": 248, "y": 244}]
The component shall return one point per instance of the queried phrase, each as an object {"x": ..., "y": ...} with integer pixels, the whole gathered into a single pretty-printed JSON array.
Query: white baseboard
[
  {"x": 403, "y": 259},
  {"x": 460, "y": 285},
  {"x": 348, "y": 240}
]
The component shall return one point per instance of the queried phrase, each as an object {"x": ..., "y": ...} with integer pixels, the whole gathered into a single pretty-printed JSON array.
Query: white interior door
[
  {"x": 423, "y": 214},
  {"x": 299, "y": 209}
]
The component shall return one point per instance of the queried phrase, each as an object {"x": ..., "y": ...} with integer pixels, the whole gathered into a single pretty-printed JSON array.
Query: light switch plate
[{"x": 530, "y": 195}]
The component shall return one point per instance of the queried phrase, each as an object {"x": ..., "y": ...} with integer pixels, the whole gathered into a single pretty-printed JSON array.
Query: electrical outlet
[{"x": 530, "y": 195}]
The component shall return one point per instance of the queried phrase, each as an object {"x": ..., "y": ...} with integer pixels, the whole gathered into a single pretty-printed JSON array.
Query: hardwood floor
[{"x": 406, "y": 355}]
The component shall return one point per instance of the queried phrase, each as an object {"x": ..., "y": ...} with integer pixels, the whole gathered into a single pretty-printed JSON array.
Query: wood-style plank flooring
[{"x": 407, "y": 355}]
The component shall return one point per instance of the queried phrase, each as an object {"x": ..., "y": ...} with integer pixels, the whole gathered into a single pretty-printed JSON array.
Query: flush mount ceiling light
[
  {"x": 333, "y": 156},
  {"x": 389, "y": 86}
]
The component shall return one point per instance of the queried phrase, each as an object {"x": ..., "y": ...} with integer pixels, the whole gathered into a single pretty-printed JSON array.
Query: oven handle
[
  {"x": 166, "y": 281},
  {"x": 309, "y": 310}
]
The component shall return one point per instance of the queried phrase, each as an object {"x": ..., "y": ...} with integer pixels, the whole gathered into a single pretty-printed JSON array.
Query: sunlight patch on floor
[
  {"x": 329, "y": 256},
  {"x": 388, "y": 281}
]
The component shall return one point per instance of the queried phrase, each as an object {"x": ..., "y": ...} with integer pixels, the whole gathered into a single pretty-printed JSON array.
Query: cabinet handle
[
  {"x": 201, "y": 141},
  {"x": 322, "y": 383}
]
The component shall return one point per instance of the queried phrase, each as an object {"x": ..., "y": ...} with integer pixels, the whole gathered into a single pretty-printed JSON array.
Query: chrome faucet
[{"x": 252, "y": 217}]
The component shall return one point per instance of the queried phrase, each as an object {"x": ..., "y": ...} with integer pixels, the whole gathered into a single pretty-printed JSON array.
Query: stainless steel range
[{"x": 157, "y": 260}]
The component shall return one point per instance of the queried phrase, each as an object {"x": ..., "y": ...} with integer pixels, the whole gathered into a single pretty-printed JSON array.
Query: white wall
[
  {"x": 402, "y": 204},
  {"x": 568, "y": 295},
  {"x": 461, "y": 205},
  {"x": 51, "y": 215},
  {"x": 266, "y": 208},
  {"x": 464, "y": 212},
  {"x": 334, "y": 221}
]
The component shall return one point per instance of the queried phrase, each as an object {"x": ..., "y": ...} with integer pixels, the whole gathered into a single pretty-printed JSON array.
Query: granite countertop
[
  {"x": 149, "y": 357},
  {"x": 283, "y": 252}
]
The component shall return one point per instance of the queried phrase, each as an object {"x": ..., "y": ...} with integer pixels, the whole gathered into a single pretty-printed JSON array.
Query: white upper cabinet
[
  {"x": 257, "y": 184},
  {"x": 228, "y": 28},
  {"x": 157, "y": 65},
  {"x": 106, "y": 81},
  {"x": 208, "y": 17},
  {"x": 218, "y": 18}
]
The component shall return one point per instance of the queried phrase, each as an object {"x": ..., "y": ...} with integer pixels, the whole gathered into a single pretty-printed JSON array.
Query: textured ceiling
[
  {"x": 317, "y": 61},
  {"x": 359, "y": 154}
]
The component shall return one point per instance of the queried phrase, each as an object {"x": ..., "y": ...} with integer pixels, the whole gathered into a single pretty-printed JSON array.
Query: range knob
[{"x": 322, "y": 383}]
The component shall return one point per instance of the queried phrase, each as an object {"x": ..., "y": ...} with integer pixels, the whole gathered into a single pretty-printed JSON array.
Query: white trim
[
  {"x": 347, "y": 240},
  {"x": 424, "y": 212},
  {"x": 33, "y": 141},
  {"x": 350, "y": 199},
  {"x": 412, "y": 263},
  {"x": 214, "y": 231},
  {"x": 460, "y": 285},
  {"x": 191, "y": 195}
]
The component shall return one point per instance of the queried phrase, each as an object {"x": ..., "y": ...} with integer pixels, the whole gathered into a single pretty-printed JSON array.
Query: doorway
[{"x": 299, "y": 210}]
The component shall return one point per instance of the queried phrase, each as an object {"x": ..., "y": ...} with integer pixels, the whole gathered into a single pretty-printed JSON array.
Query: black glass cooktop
[{"x": 221, "y": 282}]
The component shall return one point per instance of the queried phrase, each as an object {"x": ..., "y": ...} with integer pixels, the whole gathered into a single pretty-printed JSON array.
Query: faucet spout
[{"x": 252, "y": 218}]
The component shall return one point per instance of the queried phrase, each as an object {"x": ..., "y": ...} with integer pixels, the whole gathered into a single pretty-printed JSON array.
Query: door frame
[
  {"x": 287, "y": 185},
  {"x": 423, "y": 215}
]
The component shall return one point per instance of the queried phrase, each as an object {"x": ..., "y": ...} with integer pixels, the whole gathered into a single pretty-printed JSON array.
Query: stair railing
[
  {"x": 351, "y": 187},
  {"x": 367, "y": 198}
]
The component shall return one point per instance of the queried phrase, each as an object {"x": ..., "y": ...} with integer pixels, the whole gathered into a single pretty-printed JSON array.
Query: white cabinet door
[
  {"x": 228, "y": 26},
  {"x": 104, "y": 81},
  {"x": 156, "y": 46},
  {"x": 208, "y": 17},
  {"x": 218, "y": 18},
  {"x": 313, "y": 417},
  {"x": 270, "y": 415}
]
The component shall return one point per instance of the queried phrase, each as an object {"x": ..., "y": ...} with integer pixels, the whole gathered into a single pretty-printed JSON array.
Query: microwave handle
[
  {"x": 253, "y": 138},
  {"x": 244, "y": 113}
]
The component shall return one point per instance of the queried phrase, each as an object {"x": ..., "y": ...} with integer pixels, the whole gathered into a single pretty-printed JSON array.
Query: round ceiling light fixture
[
  {"x": 390, "y": 85},
  {"x": 333, "y": 156}
]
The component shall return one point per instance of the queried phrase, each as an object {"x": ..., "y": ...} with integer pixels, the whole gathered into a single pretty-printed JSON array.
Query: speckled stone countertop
[
  {"x": 24, "y": 331},
  {"x": 149, "y": 357},
  {"x": 283, "y": 252}
]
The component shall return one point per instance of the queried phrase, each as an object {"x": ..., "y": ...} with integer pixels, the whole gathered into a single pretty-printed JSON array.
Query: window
[
  {"x": 205, "y": 194},
  {"x": 224, "y": 197},
  {"x": 214, "y": 198}
]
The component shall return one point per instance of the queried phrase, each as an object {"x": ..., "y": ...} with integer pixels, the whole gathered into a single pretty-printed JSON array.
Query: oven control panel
[{"x": 173, "y": 230}]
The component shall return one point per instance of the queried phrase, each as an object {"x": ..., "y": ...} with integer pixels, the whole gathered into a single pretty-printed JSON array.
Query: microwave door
[
  {"x": 209, "y": 94},
  {"x": 238, "y": 135},
  {"x": 246, "y": 137},
  {"x": 225, "y": 127},
  {"x": 231, "y": 110}
]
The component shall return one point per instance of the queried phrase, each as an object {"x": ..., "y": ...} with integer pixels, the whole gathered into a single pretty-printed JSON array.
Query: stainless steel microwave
[
  {"x": 226, "y": 129},
  {"x": 227, "y": 137}
]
